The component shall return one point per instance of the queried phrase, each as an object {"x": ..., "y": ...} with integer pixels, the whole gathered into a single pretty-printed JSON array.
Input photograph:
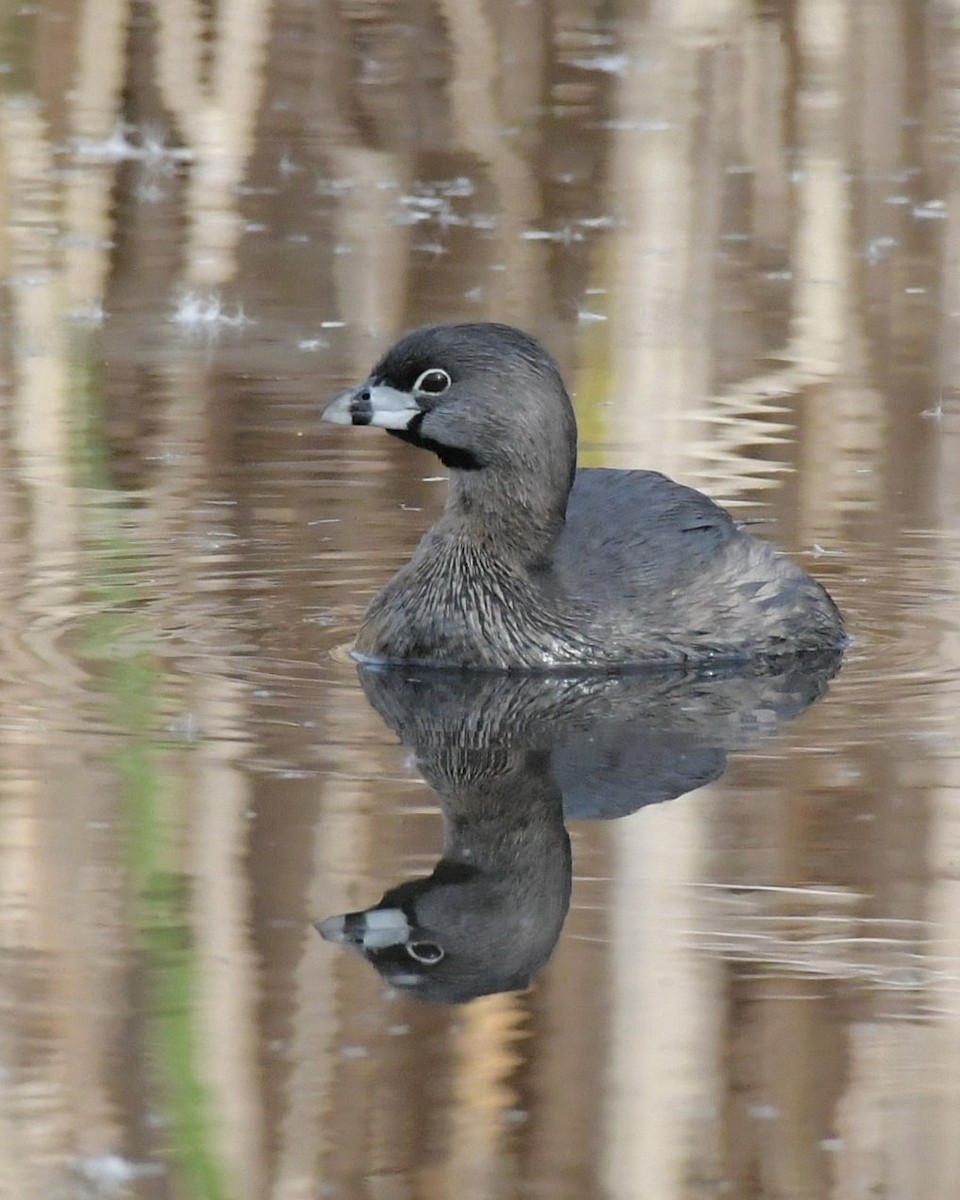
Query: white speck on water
[
  {"x": 410, "y": 216},
  {"x": 195, "y": 310},
  {"x": 87, "y": 314},
  {"x": 915, "y": 291},
  {"x": 354, "y": 1052},
  {"x": 930, "y": 210},
  {"x": 334, "y": 187},
  {"x": 333, "y": 324},
  {"x": 609, "y": 64},
  {"x": 117, "y": 147},
  {"x": 627, "y": 125},
  {"x": 590, "y": 318},
  {"x": 84, "y": 241},
  {"x": 898, "y": 199},
  {"x": 186, "y": 727},
  {"x": 596, "y": 222},
  {"x": 313, "y": 344},
  {"x": 877, "y": 247},
  {"x": 563, "y": 236},
  {"x": 111, "y": 1173},
  {"x": 935, "y": 413},
  {"x": 428, "y": 203}
]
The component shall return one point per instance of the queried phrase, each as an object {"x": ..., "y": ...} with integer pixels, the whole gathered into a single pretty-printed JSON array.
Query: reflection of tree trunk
[
  {"x": 371, "y": 279},
  {"x": 227, "y": 997},
  {"x": 949, "y": 339},
  {"x": 826, "y": 339},
  {"x": 94, "y": 114},
  {"x": 517, "y": 291},
  {"x": 658, "y": 1082},
  {"x": 58, "y": 905},
  {"x": 486, "y": 1052},
  {"x": 217, "y": 121},
  {"x": 943, "y": 904},
  {"x": 662, "y": 276},
  {"x": 564, "y": 1152},
  {"x": 663, "y": 1060},
  {"x": 310, "y": 1128}
]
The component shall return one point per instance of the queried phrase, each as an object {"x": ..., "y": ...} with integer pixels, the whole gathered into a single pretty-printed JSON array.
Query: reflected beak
[
  {"x": 372, "y": 404},
  {"x": 373, "y": 930}
]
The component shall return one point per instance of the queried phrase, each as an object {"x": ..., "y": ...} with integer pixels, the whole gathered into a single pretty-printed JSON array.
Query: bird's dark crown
[{"x": 462, "y": 351}]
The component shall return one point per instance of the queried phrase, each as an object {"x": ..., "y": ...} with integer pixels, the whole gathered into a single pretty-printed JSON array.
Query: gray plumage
[{"x": 534, "y": 564}]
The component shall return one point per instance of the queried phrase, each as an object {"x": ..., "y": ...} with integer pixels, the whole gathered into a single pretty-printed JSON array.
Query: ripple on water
[{"x": 902, "y": 606}]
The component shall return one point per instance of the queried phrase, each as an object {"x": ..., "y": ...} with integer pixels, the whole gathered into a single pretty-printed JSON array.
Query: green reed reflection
[{"x": 119, "y": 638}]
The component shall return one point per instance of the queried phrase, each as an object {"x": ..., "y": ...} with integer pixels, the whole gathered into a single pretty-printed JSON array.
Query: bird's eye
[
  {"x": 425, "y": 952},
  {"x": 432, "y": 382}
]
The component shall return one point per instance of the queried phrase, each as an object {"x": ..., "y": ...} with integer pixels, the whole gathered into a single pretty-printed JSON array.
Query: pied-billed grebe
[{"x": 535, "y": 564}]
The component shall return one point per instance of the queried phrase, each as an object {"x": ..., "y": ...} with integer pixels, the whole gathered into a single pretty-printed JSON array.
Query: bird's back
[{"x": 654, "y": 559}]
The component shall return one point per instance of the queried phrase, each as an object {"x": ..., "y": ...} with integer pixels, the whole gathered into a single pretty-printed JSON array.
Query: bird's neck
[
  {"x": 513, "y": 518},
  {"x": 502, "y": 811}
]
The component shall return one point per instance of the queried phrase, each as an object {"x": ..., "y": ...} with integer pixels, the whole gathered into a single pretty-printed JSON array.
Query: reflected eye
[
  {"x": 425, "y": 952},
  {"x": 432, "y": 382}
]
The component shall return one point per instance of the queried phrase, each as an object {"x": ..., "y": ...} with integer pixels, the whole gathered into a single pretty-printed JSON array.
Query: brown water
[{"x": 737, "y": 226}]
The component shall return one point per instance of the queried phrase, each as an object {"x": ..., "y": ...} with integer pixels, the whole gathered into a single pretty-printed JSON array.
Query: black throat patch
[{"x": 453, "y": 457}]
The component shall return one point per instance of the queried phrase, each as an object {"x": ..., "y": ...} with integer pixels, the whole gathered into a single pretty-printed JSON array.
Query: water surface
[{"x": 736, "y": 227}]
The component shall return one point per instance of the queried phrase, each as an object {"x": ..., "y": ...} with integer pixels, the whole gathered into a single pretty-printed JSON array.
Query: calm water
[{"x": 737, "y": 226}]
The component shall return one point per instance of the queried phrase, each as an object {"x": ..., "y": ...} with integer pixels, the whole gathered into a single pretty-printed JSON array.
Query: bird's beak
[
  {"x": 373, "y": 930},
  {"x": 372, "y": 404}
]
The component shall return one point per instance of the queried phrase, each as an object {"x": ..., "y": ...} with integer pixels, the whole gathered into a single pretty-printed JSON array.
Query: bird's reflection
[{"x": 510, "y": 757}]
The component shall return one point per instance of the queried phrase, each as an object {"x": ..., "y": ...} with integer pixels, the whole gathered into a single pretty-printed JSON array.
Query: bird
[{"x": 535, "y": 564}]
